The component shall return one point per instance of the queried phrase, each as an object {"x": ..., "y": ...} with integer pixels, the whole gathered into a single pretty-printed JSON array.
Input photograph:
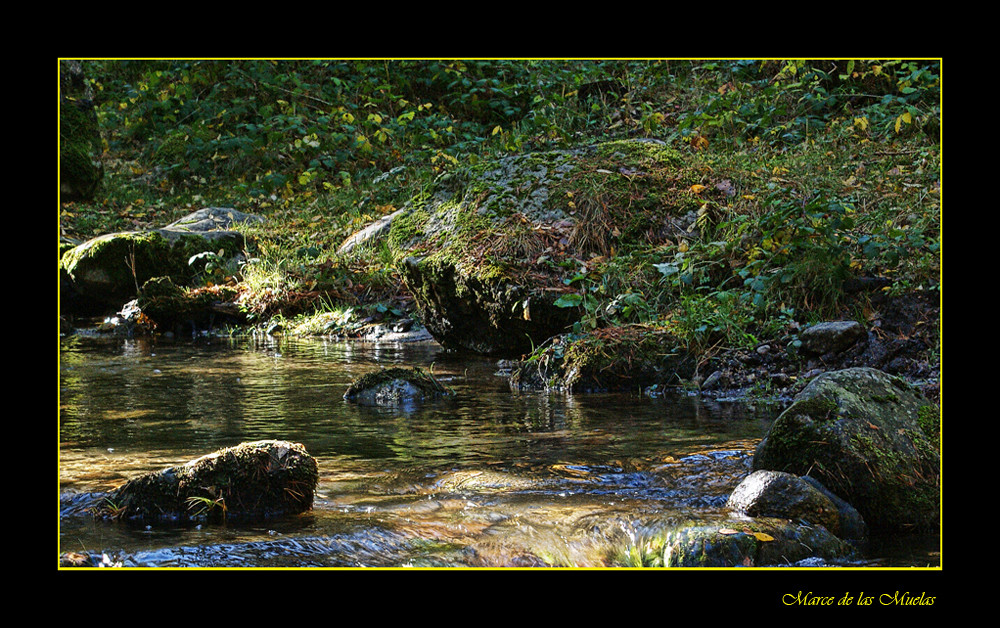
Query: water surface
[{"x": 490, "y": 478}]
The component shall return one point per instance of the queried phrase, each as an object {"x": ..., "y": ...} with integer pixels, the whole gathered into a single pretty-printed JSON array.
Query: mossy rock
[
  {"x": 395, "y": 387},
  {"x": 865, "y": 436},
  {"x": 109, "y": 270},
  {"x": 631, "y": 357},
  {"x": 488, "y": 251},
  {"x": 169, "y": 306},
  {"x": 252, "y": 480},
  {"x": 478, "y": 308}
]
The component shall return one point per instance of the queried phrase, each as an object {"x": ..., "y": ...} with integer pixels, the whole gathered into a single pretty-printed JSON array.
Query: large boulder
[
  {"x": 479, "y": 308},
  {"x": 490, "y": 253},
  {"x": 249, "y": 481},
  {"x": 109, "y": 270},
  {"x": 868, "y": 437}
]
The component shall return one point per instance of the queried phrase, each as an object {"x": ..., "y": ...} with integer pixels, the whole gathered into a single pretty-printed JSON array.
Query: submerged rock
[
  {"x": 726, "y": 541},
  {"x": 868, "y": 437},
  {"x": 761, "y": 542},
  {"x": 249, "y": 481},
  {"x": 395, "y": 387}
]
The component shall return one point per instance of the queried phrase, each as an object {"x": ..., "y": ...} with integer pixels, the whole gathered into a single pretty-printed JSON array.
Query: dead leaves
[
  {"x": 699, "y": 142},
  {"x": 760, "y": 536}
]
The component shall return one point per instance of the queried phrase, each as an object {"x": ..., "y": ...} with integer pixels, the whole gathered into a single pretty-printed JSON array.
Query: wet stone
[{"x": 831, "y": 337}]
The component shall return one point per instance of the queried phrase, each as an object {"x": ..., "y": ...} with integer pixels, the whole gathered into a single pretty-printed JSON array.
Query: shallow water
[{"x": 490, "y": 478}]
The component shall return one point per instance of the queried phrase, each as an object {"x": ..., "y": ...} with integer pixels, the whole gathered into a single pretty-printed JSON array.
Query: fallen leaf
[
  {"x": 764, "y": 538},
  {"x": 728, "y": 531}
]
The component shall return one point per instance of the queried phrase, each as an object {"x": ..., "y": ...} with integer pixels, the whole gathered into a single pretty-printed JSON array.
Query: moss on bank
[{"x": 632, "y": 357}]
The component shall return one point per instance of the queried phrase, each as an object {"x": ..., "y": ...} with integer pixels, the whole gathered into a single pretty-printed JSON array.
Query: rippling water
[{"x": 490, "y": 478}]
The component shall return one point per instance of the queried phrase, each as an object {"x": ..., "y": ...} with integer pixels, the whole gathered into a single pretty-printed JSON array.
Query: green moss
[
  {"x": 649, "y": 154},
  {"x": 407, "y": 228},
  {"x": 929, "y": 419},
  {"x": 816, "y": 408},
  {"x": 889, "y": 398}
]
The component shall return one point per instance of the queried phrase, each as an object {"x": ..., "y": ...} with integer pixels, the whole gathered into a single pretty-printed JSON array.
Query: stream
[{"x": 487, "y": 479}]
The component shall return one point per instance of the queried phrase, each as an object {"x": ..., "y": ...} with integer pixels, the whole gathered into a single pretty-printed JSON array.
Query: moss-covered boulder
[
  {"x": 110, "y": 269},
  {"x": 631, "y": 357},
  {"x": 868, "y": 437},
  {"x": 249, "y": 481},
  {"x": 490, "y": 250},
  {"x": 395, "y": 387}
]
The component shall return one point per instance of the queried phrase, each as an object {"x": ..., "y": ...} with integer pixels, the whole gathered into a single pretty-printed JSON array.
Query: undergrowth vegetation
[{"x": 814, "y": 173}]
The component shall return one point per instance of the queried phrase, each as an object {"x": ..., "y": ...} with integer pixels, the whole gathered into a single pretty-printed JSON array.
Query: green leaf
[
  {"x": 667, "y": 268},
  {"x": 569, "y": 300}
]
